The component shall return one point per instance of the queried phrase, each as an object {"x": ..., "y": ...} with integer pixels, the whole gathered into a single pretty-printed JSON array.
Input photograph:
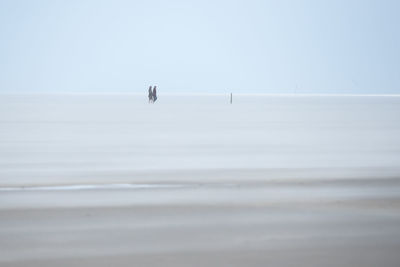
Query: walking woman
[{"x": 154, "y": 94}]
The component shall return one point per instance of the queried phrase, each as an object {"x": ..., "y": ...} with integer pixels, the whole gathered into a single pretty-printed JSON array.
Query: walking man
[{"x": 150, "y": 95}]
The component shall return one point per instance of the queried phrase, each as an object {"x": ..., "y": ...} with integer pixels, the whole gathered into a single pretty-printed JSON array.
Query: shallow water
[{"x": 49, "y": 139}]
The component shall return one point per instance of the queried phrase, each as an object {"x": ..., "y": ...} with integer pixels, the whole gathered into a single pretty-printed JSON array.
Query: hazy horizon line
[{"x": 199, "y": 94}]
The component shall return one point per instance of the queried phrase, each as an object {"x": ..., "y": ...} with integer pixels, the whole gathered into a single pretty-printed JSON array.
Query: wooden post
[{"x": 231, "y": 98}]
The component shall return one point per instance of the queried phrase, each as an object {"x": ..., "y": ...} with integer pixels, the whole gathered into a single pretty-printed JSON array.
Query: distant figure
[
  {"x": 154, "y": 94},
  {"x": 150, "y": 95}
]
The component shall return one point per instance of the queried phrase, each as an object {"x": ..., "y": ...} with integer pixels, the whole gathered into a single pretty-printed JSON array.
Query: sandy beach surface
[{"x": 110, "y": 180}]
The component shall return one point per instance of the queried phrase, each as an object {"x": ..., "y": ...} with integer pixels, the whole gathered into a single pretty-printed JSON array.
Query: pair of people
[{"x": 152, "y": 94}]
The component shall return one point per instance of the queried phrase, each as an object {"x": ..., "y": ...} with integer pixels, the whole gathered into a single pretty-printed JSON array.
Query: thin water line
[{"x": 91, "y": 187}]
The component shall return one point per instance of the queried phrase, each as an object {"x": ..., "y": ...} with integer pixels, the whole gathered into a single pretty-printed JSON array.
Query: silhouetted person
[
  {"x": 150, "y": 95},
  {"x": 154, "y": 94}
]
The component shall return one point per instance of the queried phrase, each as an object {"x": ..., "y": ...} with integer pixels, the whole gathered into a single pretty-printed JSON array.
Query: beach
[{"x": 192, "y": 180}]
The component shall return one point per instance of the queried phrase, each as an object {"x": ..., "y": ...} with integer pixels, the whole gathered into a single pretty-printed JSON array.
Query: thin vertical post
[{"x": 231, "y": 98}]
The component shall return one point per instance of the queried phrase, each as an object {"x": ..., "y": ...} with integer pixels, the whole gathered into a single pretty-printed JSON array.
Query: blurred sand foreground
[{"x": 108, "y": 180}]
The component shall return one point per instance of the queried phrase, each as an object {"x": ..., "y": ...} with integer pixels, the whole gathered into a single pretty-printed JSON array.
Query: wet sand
[
  {"x": 316, "y": 222},
  {"x": 328, "y": 195}
]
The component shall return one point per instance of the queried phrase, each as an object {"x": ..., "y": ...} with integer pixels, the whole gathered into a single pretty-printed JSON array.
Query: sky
[{"x": 243, "y": 46}]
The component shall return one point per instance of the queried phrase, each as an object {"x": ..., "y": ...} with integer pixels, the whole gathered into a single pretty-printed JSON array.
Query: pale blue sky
[{"x": 316, "y": 46}]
